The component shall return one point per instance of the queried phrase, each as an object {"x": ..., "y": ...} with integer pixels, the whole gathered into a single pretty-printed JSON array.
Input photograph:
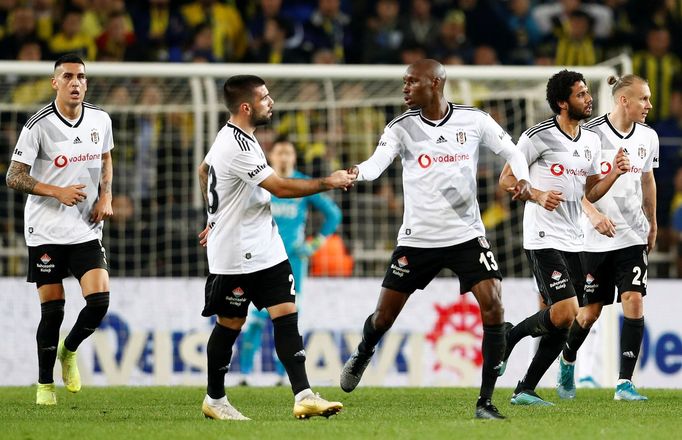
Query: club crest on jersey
[
  {"x": 641, "y": 151},
  {"x": 402, "y": 261},
  {"x": 94, "y": 136},
  {"x": 461, "y": 137},
  {"x": 588, "y": 154},
  {"x": 483, "y": 242},
  {"x": 556, "y": 275}
]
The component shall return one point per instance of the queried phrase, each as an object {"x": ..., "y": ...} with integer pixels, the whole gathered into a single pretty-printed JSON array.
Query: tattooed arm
[
  {"x": 203, "y": 185},
  {"x": 18, "y": 178},
  {"x": 102, "y": 208}
]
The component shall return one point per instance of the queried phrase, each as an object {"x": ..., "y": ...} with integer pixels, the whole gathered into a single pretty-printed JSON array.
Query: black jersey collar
[
  {"x": 445, "y": 119},
  {"x": 231, "y": 125},
  {"x": 580, "y": 131},
  {"x": 64, "y": 120},
  {"x": 616, "y": 132}
]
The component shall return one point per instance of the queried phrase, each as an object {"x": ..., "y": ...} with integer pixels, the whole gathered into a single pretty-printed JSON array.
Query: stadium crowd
[{"x": 478, "y": 32}]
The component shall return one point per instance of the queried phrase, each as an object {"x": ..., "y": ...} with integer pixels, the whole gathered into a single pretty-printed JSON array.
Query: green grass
[{"x": 369, "y": 413}]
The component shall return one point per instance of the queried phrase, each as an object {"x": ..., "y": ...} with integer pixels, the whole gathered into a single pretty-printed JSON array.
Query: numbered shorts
[
  {"x": 625, "y": 269},
  {"x": 230, "y": 295},
  {"x": 413, "y": 268},
  {"x": 558, "y": 274},
  {"x": 51, "y": 263}
]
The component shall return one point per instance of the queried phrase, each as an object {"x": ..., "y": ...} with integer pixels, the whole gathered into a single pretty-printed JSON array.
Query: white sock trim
[
  {"x": 216, "y": 402},
  {"x": 303, "y": 394}
]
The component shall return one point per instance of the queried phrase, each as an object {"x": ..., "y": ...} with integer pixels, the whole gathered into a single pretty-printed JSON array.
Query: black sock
[
  {"x": 494, "y": 342},
  {"x": 289, "y": 346},
  {"x": 218, "y": 354},
  {"x": 47, "y": 336},
  {"x": 370, "y": 336},
  {"x": 630, "y": 343},
  {"x": 549, "y": 348},
  {"x": 576, "y": 337},
  {"x": 535, "y": 325},
  {"x": 90, "y": 317}
]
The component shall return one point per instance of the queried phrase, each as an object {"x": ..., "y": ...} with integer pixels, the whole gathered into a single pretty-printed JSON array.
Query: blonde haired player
[{"x": 620, "y": 230}]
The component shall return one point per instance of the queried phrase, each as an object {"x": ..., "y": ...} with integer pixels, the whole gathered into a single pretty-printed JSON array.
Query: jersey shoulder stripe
[
  {"x": 595, "y": 122},
  {"x": 467, "y": 107},
  {"x": 241, "y": 141},
  {"x": 408, "y": 113},
  {"x": 43, "y": 112},
  {"x": 92, "y": 106},
  {"x": 544, "y": 125}
]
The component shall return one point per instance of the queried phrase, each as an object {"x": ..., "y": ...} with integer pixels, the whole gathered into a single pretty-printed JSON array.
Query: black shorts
[
  {"x": 51, "y": 263},
  {"x": 413, "y": 268},
  {"x": 558, "y": 274},
  {"x": 230, "y": 295},
  {"x": 625, "y": 269}
]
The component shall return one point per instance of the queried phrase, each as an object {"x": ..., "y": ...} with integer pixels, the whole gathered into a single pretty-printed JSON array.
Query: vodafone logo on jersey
[
  {"x": 605, "y": 168},
  {"x": 61, "y": 161},
  {"x": 557, "y": 169},
  {"x": 425, "y": 161}
]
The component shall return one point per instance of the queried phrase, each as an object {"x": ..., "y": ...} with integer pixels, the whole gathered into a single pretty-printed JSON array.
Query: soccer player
[
  {"x": 291, "y": 216},
  {"x": 439, "y": 144},
  {"x": 620, "y": 230},
  {"x": 246, "y": 257},
  {"x": 62, "y": 160},
  {"x": 564, "y": 161}
]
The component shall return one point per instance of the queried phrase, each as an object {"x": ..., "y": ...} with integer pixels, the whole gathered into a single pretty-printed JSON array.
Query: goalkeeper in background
[{"x": 291, "y": 216}]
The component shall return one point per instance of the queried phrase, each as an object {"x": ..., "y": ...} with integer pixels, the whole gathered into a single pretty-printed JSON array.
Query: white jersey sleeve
[
  {"x": 387, "y": 150},
  {"x": 499, "y": 142},
  {"x": 251, "y": 168},
  {"x": 27, "y": 146}
]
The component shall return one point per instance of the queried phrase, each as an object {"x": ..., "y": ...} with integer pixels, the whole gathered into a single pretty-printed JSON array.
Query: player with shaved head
[{"x": 438, "y": 143}]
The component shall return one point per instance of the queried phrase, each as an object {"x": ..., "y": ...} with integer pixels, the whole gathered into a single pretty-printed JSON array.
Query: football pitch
[{"x": 369, "y": 413}]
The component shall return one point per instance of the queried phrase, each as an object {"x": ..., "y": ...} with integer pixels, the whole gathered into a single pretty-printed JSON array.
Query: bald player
[{"x": 438, "y": 143}]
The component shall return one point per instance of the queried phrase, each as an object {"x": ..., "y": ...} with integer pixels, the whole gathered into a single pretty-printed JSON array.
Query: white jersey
[
  {"x": 558, "y": 162},
  {"x": 623, "y": 202},
  {"x": 243, "y": 236},
  {"x": 63, "y": 153},
  {"x": 440, "y": 160}
]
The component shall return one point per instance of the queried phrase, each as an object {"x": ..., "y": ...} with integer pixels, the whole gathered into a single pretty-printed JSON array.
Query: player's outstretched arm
[
  {"x": 18, "y": 178},
  {"x": 286, "y": 188},
  {"x": 102, "y": 208},
  {"x": 549, "y": 200},
  {"x": 520, "y": 189}
]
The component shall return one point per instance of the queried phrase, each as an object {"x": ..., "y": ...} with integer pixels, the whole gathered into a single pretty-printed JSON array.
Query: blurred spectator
[
  {"x": 279, "y": 44},
  {"x": 485, "y": 56},
  {"x": 32, "y": 91},
  {"x": 115, "y": 43},
  {"x": 201, "y": 47},
  {"x": 384, "y": 35},
  {"x": 21, "y": 28},
  {"x": 272, "y": 9},
  {"x": 160, "y": 31},
  {"x": 527, "y": 34},
  {"x": 622, "y": 36},
  {"x": 659, "y": 66},
  {"x": 554, "y": 18},
  {"x": 71, "y": 40},
  {"x": 422, "y": 26},
  {"x": 670, "y": 158},
  {"x": 412, "y": 52},
  {"x": 46, "y": 18},
  {"x": 324, "y": 56},
  {"x": 575, "y": 45},
  {"x": 148, "y": 137},
  {"x": 230, "y": 39},
  {"x": 452, "y": 38},
  {"x": 97, "y": 14},
  {"x": 486, "y": 25},
  {"x": 329, "y": 28}
]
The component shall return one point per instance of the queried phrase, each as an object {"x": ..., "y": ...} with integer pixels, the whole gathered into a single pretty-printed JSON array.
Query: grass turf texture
[{"x": 369, "y": 413}]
